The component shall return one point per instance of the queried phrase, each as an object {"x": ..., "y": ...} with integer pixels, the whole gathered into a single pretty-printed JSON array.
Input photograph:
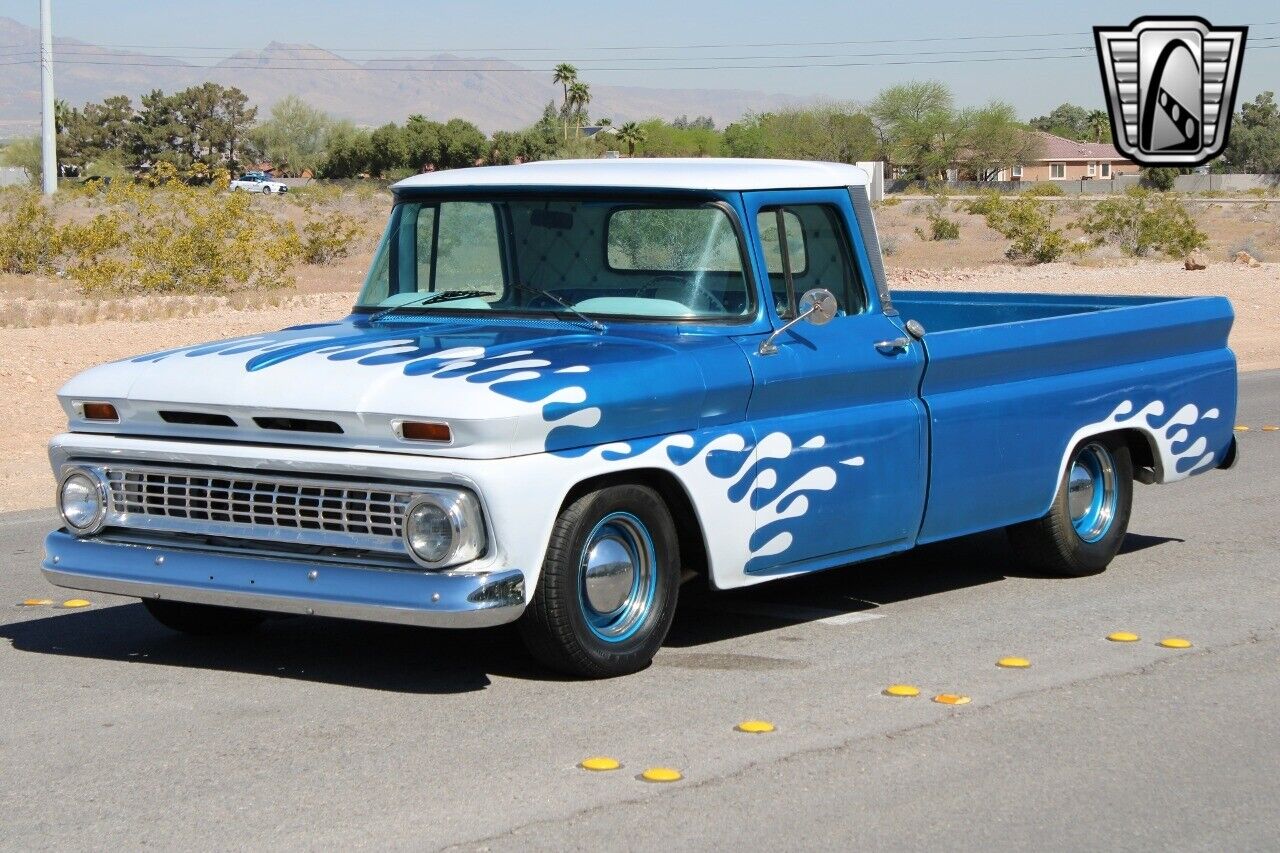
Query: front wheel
[
  {"x": 609, "y": 584},
  {"x": 1086, "y": 525}
]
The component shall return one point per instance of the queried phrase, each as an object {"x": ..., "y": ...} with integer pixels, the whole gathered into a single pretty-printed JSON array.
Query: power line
[
  {"x": 365, "y": 69},
  {"x": 917, "y": 40}
]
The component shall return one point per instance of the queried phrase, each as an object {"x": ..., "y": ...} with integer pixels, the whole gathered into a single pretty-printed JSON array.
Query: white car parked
[{"x": 257, "y": 184}]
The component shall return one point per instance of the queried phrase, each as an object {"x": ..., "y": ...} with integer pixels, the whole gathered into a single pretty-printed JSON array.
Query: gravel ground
[{"x": 37, "y": 361}]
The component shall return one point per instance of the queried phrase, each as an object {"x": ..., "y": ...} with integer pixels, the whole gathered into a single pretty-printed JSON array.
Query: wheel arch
[{"x": 689, "y": 529}]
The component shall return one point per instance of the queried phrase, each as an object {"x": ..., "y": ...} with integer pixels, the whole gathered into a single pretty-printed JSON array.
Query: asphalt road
[{"x": 316, "y": 733}]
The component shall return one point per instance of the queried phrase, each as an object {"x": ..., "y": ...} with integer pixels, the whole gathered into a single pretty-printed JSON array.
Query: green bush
[
  {"x": 1028, "y": 224},
  {"x": 940, "y": 227},
  {"x": 1141, "y": 222},
  {"x": 1044, "y": 188},
  {"x": 1156, "y": 178},
  {"x": 179, "y": 239},
  {"x": 987, "y": 201},
  {"x": 331, "y": 237},
  {"x": 28, "y": 236}
]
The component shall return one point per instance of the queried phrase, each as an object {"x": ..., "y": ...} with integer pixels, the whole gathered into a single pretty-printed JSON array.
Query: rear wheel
[
  {"x": 1086, "y": 525},
  {"x": 202, "y": 619},
  {"x": 609, "y": 584}
]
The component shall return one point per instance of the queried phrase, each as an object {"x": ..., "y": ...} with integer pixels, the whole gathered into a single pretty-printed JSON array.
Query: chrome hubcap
[
  {"x": 1091, "y": 492},
  {"x": 608, "y": 575},
  {"x": 617, "y": 576}
]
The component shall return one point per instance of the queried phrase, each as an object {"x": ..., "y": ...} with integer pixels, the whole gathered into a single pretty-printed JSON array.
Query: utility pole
[{"x": 48, "y": 126}]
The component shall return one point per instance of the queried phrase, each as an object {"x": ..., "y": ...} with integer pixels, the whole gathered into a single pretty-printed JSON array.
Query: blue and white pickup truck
[{"x": 568, "y": 387}]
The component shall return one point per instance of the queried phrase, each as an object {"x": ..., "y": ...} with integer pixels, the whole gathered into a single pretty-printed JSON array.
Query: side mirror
[{"x": 817, "y": 306}]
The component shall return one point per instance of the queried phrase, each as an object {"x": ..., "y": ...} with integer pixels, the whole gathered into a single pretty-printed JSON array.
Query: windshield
[{"x": 560, "y": 257}]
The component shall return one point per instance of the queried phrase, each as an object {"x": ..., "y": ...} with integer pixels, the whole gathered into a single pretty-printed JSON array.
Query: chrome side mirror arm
[{"x": 821, "y": 309}]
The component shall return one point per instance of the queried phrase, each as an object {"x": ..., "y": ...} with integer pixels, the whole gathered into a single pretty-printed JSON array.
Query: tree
[
  {"x": 566, "y": 75},
  {"x": 295, "y": 138},
  {"x": 461, "y": 144},
  {"x": 422, "y": 142},
  {"x": 579, "y": 97},
  {"x": 1099, "y": 124},
  {"x": 387, "y": 149},
  {"x": 631, "y": 135},
  {"x": 994, "y": 140},
  {"x": 25, "y": 154},
  {"x": 917, "y": 127},
  {"x": 1066, "y": 120},
  {"x": 349, "y": 152},
  {"x": 1254, "y": 145}
]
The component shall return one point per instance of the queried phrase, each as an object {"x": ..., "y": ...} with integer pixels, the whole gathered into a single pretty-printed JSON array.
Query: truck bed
[{"x": 1010, "y": 378}]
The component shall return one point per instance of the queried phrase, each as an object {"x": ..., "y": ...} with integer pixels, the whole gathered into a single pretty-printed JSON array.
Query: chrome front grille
[{"x": 255, "y": 506}]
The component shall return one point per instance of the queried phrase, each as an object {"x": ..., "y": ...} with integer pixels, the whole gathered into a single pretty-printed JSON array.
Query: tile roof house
[{"x": 1067, "y": 160}]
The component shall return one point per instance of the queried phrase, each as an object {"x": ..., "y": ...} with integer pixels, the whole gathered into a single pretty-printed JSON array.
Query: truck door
[{"x": 839, "y": 427}]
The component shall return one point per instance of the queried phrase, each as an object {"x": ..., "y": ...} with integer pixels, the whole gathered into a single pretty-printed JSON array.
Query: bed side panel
[{"x": 1007, "y": 403}]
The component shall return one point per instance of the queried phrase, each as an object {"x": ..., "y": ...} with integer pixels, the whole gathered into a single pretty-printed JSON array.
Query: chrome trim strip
[{"x": 435, "y": 599}]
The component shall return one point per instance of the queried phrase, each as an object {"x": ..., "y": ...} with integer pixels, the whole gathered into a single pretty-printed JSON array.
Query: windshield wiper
[
  {"x": 428, "y": 299},
  {"x": 591, "y": 321}
]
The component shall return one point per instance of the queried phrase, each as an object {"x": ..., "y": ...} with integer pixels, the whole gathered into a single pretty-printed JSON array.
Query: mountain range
[{"x": 502, "y": 96}]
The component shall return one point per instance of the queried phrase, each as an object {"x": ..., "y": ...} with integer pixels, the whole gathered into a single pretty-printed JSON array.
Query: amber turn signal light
[
  {"x": 100, "y": 412},
  {"x": 425, "y": 431}
]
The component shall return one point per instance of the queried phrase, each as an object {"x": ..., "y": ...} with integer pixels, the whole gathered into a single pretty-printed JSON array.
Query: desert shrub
[
  {"x": 1141, "y": 222},
  {"x": 1246, "y": 245},
  {"x": 888, "y": 245},
  {"x": 1044, "y": 188},
  {"x": 986, "y": 201},
  {"x": 179, "y": 239},
  {"x": 315, "y": 194},
  {"x": 28, "y": 235},
  {"x": 940, "y": 227},
  {"x": 889, "y": 201},
  {"x": 1157, "y": 178},
  {"x": 330, "y": 237},
  {"x": 1029, "y": 225}
]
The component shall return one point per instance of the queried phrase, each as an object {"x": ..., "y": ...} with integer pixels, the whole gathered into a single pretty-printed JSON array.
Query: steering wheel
[{"x": 689, "y": 284}]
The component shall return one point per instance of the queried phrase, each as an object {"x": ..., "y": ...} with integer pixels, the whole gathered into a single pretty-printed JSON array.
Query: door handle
[{"x": 894, "y": 344}]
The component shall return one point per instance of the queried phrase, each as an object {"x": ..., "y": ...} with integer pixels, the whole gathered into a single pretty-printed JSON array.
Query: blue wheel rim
[
  {"x": 617, "y": 577},
  {"x": 1092, "y": 493}
]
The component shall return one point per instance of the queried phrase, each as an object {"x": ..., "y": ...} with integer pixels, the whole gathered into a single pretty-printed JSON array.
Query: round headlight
[
  {"x": 428, "y": 531},
  {"x": 82, "y": 502}
]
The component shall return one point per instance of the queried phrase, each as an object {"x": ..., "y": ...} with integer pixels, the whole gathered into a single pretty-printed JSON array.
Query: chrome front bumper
[{"x": 435, "y": 599}]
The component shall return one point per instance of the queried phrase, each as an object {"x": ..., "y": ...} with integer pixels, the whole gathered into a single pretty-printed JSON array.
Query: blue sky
[{"x": 592, "y": 33}]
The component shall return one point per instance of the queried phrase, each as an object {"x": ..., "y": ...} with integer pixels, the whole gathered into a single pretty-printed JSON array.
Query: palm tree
[
  {"x": 579, "y": 96},
  {"x": 566, "y": 75},
  {"x": 1098, "y": 123},
  {"x": 631, "y": 135}
]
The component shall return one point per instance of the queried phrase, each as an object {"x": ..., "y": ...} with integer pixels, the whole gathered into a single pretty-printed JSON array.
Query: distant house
[
  {"x": 596, "y": 129},
  {"x": 1068, "y": 160}
]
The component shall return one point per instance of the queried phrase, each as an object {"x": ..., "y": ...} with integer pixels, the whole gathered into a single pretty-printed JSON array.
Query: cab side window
[{"x": 809, "y": 241}]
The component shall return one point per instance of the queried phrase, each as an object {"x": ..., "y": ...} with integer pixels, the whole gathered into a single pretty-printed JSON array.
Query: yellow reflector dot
[
  {"x": 600, "y": 762},
  {"x": 755, "y": 726},
  {"x": 661, "y": 774},
  {"x": 1123, "y": 637},
  {"x": 35, "y": 602},
  {"x": 75, "y": 602},
  {"x": 1270, "y": 428},
  {"x": 951, "y": 699},
  {"x": 1241, "y": 428},
  {"x": 1013, "y": 663},
  {"x": 901, "y": 690},
  {"x": 1175, "y": 643}
]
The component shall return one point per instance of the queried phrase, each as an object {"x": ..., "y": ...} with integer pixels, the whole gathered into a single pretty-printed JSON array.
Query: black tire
[
  {"x": 1053, "y": 544},
  {"x": 203, "y": 620},
  {"x": 556, "y": 625}
]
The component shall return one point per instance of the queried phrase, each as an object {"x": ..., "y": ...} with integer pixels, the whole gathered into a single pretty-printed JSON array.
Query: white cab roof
[{"x": 700, "y": 173}]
